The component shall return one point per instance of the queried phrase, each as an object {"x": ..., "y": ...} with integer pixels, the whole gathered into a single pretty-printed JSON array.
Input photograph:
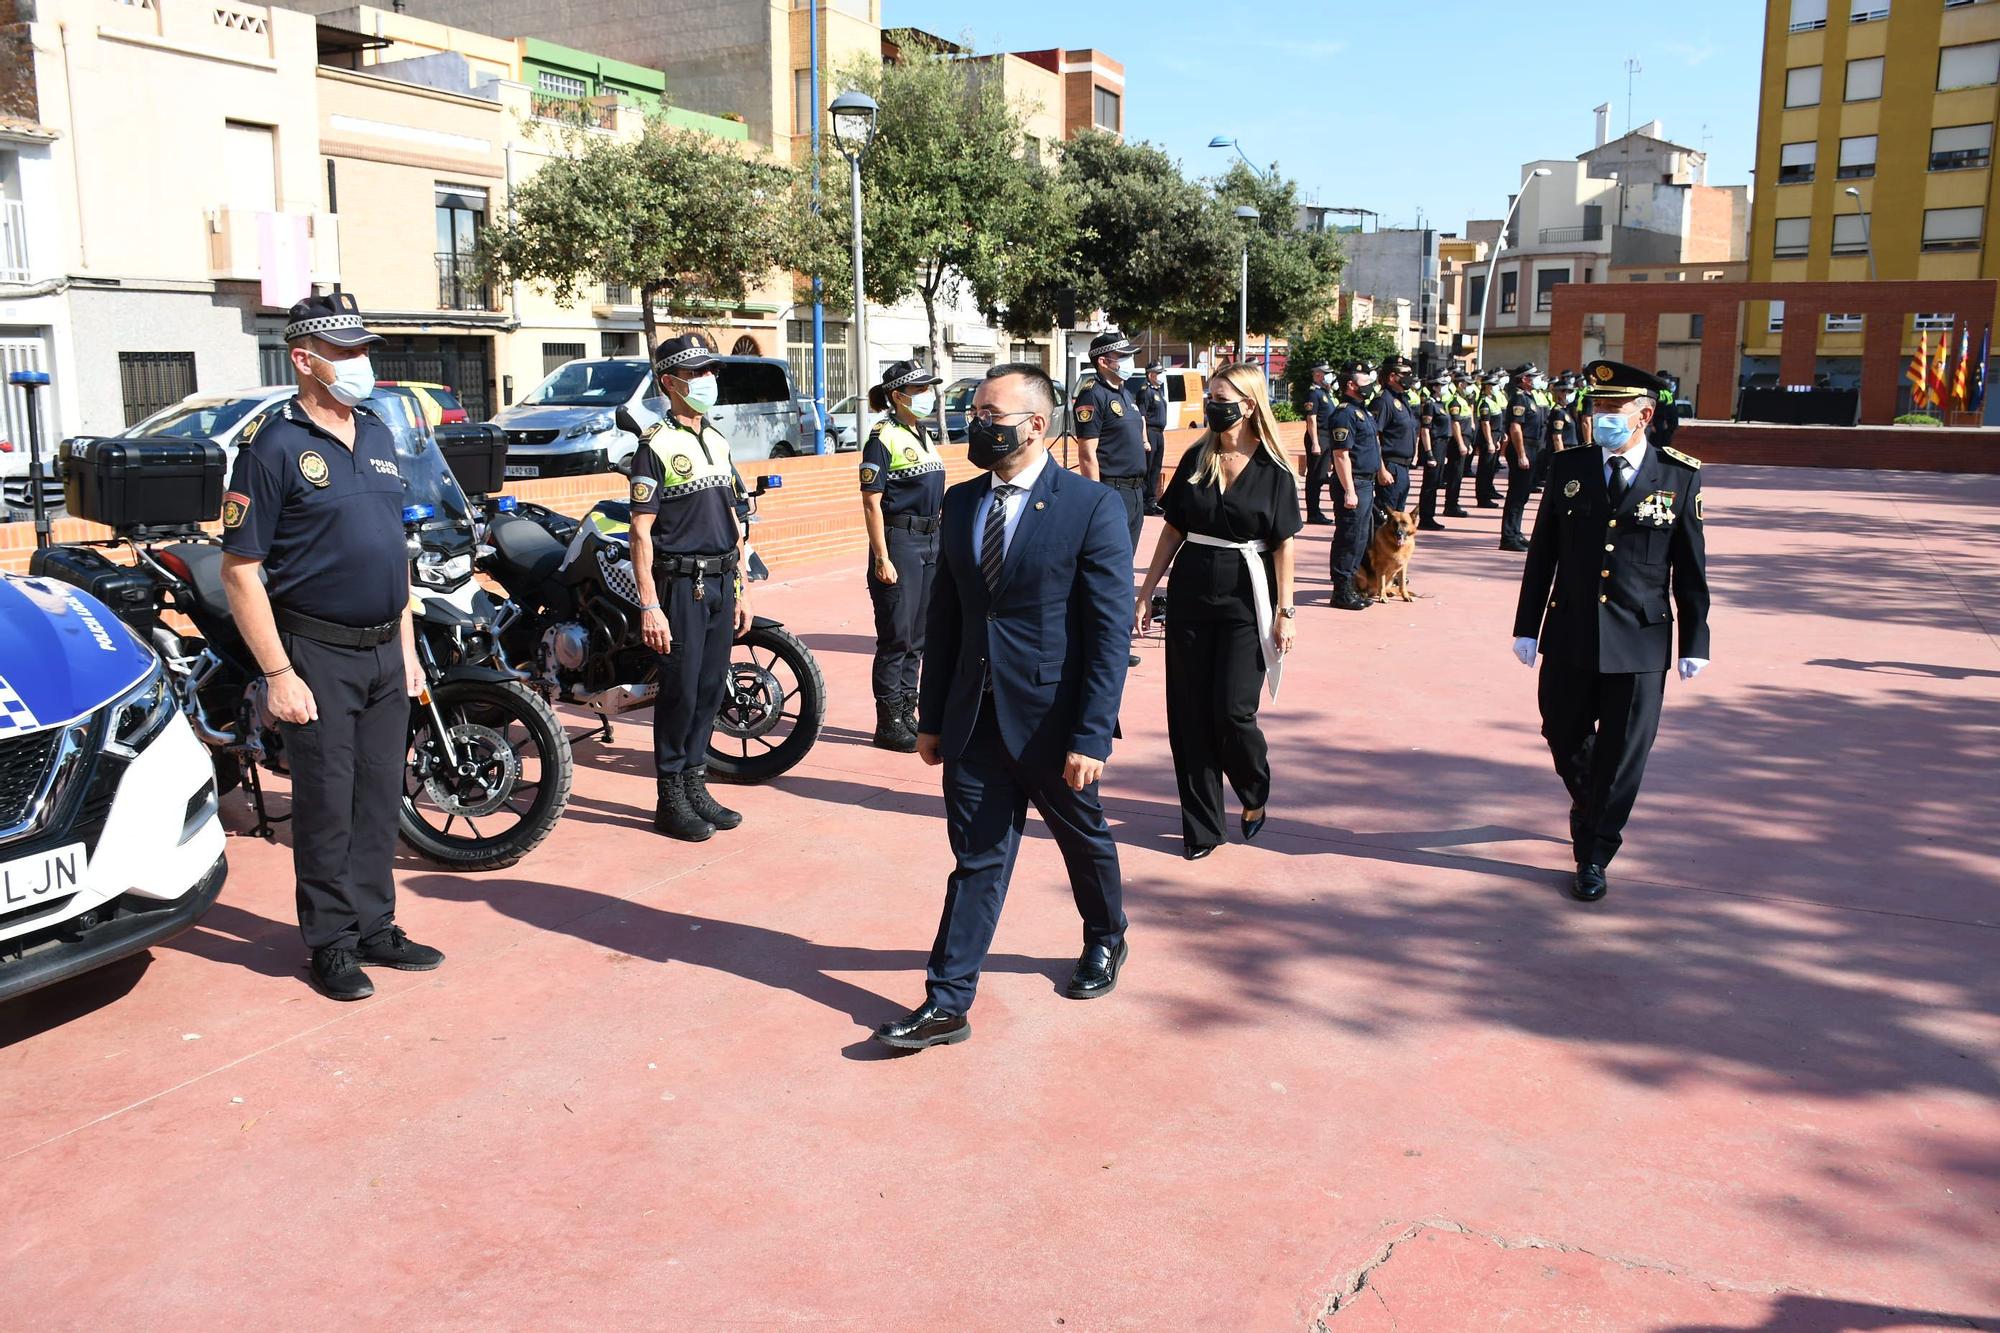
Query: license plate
[
  {"x": 41, "y": 877},
  {"x": 521, "y": 470}
]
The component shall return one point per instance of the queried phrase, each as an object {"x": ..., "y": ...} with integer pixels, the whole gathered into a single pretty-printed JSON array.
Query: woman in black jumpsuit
[
  {"x": 1234, "y": 500},
  {"x": 902, "y": 498}
]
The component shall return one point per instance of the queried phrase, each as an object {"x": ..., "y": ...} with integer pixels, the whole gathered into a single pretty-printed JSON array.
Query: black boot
[
  {"x": 909, "y": 702},
  {"x": 695, "y": 783},
  {"x": 892, "y": 729},
  {"x": 675, "y": 817},
  {"x": 1346, "y": 597}
]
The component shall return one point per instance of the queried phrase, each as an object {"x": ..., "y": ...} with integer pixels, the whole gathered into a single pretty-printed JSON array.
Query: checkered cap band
[
  {"x": 324, "y": 324},
  {"x": 683, "y": 357},
  {"x": 920, "y": 375}
]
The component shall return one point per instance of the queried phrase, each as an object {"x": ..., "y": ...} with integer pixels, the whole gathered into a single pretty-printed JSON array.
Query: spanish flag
[
  {"x": 1958, "y": 375},
  {"x": 1919, "y": 369},
  {"x": 1936, "y": 387}
]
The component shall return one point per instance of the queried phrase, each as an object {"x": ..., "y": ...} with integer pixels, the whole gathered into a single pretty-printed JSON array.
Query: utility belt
[
  {"x": 1404, "y": 460},
  {"x": 916, "y": 523},
  {"x": 693, "y": 566},
  {"x": 1135, "y": 482},
  {"x": 335, "y": 635}
]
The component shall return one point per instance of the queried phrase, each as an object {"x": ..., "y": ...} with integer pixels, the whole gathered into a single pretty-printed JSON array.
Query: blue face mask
[{"x": 1613, "y": 430}]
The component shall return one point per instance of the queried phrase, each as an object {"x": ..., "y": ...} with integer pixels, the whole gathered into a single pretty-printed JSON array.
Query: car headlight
[
  {"x": 596, "y": 425},
  {"x": 140, "y": 714}
]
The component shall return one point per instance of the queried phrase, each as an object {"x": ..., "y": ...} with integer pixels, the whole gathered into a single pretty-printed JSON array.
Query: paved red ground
[{"x": 1377, "y": 1072}]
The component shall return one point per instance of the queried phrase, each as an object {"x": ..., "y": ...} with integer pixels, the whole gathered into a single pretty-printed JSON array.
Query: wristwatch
[{"x": 1288, "y": 612}]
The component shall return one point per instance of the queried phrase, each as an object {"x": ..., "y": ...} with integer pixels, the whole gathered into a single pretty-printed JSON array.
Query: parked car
[{"x": 440, "y": 402}]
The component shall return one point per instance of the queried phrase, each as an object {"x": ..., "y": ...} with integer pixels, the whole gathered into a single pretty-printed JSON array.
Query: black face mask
[
  {"x": 987, "y": 442},
  {"x": 1221, "y": 416}
]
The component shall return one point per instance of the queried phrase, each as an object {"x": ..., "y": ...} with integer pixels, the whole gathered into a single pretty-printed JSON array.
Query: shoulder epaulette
[{"x": 1680, "y": 457}]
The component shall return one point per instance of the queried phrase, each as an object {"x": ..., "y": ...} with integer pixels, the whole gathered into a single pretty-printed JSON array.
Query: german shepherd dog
[{"x": 1386, "y": 568}]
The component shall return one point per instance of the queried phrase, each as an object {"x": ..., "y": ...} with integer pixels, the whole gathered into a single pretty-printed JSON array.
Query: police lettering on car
[
  {"x": 1111, "y": 429},
  {"x": 902, "y": 500},
  {"x": 318, "y": 581},
  {"x": 686, "y": 556}
]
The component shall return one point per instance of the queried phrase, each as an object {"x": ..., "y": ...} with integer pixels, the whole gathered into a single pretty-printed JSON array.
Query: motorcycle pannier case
[
  {"x": 128, "y": 591},
  {"x": 149, "y": 482},
  {"x": 476, "y": 453}
]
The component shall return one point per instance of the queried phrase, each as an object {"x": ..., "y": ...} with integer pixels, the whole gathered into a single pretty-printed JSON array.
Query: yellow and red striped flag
[
  {"x": 1919, "y": 372},
  {"x": 1958, "y": 375},
  {"x": 1937, "y": 384}
]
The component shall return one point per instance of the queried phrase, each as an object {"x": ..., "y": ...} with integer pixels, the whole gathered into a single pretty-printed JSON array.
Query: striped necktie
[{"x": 993, "y": 542}]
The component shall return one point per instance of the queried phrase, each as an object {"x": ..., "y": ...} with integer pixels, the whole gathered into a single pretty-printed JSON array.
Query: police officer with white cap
[
  {"x": 902, "y": 501},
  {"x": 1111, "y": 429}
]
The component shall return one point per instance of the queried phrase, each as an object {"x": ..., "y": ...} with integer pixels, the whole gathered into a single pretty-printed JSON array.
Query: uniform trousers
[
  {"x": 1396, "y": 495},
  {"x": 987, "y": 792},
  {"x": 1130, "y": 491},
  {"x": 1486, "y": 488},
  {"x": 1442, "y": 475},
  {"x": 1351, "y": 530},
  {"x": 1319, "y": 462},
  {"x": 347, "y": 787},
  {"x": 899, "y": 611},
  {"x": 1156, "y": 461},
  {"x": 1215, "y": 678},
  {"x": 1520, "y": 487},
  {"x": 694, "y": 672},
  {"x": 1600, "y": 728}
]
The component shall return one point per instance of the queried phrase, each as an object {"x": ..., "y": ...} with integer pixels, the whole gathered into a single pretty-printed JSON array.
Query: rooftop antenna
[{"x": 1632, "y": 71}]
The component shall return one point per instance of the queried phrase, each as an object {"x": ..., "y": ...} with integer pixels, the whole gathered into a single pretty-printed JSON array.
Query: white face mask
[
  {"x": 1126, "y": 366},
  {"x": 1366, "y": 379},
  {"x": 353, "y": 379},
  {"x": 701, "y": 392},
  {"x": 1541, "y": 381},
  {"x": 923, "y": 402}
]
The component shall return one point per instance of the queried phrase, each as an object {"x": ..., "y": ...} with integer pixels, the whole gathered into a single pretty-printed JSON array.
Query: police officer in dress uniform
[
  {"x": 687, "y": 551},
  {"x": 1320, "y": 402},
  {"x": 1618, "y": 532},
  {"x": 1153, "y": 403},
  {"x": 318, "y": 581},
  {"x": 902, "y": 496},
  {"x": 1111, "y": 430},
  {"x": 1357, "y": 459},
  {"x": 1442, "y": 448},
  {"x": 1525, "y": 423},
  {"x": 1396, "y": 428}
]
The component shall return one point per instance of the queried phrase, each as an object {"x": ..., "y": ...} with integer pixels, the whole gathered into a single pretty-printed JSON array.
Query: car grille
[
  {"x": 24, "y": 763},
  {"x": 531, "y": 436}
]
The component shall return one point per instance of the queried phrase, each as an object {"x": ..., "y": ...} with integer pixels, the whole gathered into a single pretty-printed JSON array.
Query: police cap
[
  {"x": 902, "y": 375},
  {"x": 1396, "y": 365},
  {"x": 1152, "y": 366},
  {"x": 1615, "y": 379},
  {"x": 684, "y": 355},
  {"x": 1111, "y": 343},
  {"x": 333, "y": 318},
  {"x": 1353, "y": 368},
  {"x": 1526, "y": 370}
]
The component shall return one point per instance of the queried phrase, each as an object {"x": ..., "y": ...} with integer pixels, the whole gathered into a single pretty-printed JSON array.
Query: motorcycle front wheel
[
  {"x": 498, "y": 791},
  {"x": 772, "y": 709}
]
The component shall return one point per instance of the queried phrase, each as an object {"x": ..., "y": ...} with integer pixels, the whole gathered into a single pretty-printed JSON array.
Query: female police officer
[
  {"x": 686, "y": 551},
  {"x": 902, "y": 497}
]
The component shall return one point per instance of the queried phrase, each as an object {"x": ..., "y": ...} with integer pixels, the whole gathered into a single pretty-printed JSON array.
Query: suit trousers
[
  {"x": 987, "y": 792},
  {"x": 695, "y": 672},
  {"x": 1215, "y": 680},
  {"x": 1487, "y": 485},
  {"x": 347, "y": 786},
  {"x": 899, "y": 611},
  {"x": 1396, "y": 495},
  {"x": 1156, "y": 461},
  {"x": 1520, "y": 488},
  {"x": 1600, "y": 728},
  {"x": 1351, "y": 530}
]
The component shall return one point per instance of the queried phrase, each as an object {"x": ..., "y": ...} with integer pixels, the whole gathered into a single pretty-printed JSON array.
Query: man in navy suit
[{"x": 1024, "y": 664}]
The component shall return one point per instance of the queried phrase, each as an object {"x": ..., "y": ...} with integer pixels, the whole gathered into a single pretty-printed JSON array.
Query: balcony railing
[
  {"x": 14, "y": 265},
  {"x": 600, "y": 115},
  {"x": 1590, "y": 231},
  {"x": 459, "y": 284}
]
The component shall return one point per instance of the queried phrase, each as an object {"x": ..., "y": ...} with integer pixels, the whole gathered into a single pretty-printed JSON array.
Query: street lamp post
[
  {"x": 1246, "y": 214},
  {"x": 820, "y": 443},
  {"x": 1867, "y": 232},
  {"x": 853, "y": 130},
  {"x": 1499, "y": 244},
  {"x": 1224, "y": 141}
]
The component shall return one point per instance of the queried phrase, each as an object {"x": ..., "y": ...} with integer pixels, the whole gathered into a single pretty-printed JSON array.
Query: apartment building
[{"x": 1874, "y": 160}]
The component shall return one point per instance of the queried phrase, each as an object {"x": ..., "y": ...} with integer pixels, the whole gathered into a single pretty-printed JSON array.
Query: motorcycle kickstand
[{"x": 263, "y": 828}]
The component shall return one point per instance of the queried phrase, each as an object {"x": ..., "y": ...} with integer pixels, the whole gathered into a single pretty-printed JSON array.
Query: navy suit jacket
[{"x": 1056, "y": 631}]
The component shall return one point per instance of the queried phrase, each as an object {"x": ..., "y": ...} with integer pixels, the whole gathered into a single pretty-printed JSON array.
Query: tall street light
[
  {"x": 1499, "y": 244},
  {"x": 1224, "y": 141},
  {"x": 1867, "y": 236},
  {"x": 853, "y": 130},
  {"x": 1246, "y": 214}
]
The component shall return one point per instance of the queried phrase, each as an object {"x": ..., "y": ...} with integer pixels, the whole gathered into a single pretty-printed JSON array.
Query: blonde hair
[{"x": 1247, "y": 380}]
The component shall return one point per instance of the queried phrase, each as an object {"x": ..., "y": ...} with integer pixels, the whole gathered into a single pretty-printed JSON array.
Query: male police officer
[
  {"x": 1396, "y": 427},
  {"x": 1525, "y": 423},
  {"x": 1619, "y": 529},
  {"x": 1357, "y": 459},
  {"x": 1153, "y": 407},
  {"x": 687, "y": 549},
  {"x": 1465, "y": 419},
  {"x": 1442, "y": 448},
  {"x": 1492, "y": 438},
  {"x": 1320, "y": 402},
  {"x": 1111, "y": 431},
  {"x": 318, "y": 581}
]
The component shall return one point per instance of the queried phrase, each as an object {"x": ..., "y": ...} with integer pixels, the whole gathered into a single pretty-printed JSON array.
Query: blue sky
[{"x": 1322, "y": 87}]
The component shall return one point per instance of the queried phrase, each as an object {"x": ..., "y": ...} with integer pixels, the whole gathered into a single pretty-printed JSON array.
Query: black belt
[
  {"x": 1135, "y": 482},
  {"x": 335, "y": 635},
  {"x": 694, "y": 566},
  {"x": 1398, "y": 458},
  {"x": 913, "y": 523}
]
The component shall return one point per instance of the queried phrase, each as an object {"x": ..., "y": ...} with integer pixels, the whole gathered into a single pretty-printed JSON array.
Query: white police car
[{"x": 109, "y": 837}]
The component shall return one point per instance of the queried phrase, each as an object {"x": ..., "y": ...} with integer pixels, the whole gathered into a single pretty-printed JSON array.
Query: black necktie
[
  {"x": 1620, "y": 481},
  {"x": 993, "y": 543}
]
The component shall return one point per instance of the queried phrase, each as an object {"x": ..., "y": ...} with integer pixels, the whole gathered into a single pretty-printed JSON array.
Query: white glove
[
  {"x": 1525, "y": 650},
  {"x": 1691, "y": 667}
]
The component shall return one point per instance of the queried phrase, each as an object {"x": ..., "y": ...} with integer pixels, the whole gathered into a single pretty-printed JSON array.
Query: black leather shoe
[
  {"x": 1589, "y": 885},
  {"x": 1456, "y": 512},
  {"x": 1196, "y": 853},
  {"x": 675, "y": 816},
  {"x": 1430, "y": 525},
  {"x": 1489, "y": 504},
  {"x": 337, "y": 974},
  {"x": 1319, "y": 520},
  {"x": 390, "y": 947},
  {"x": 1132, "y": 659},
  {"x": 694, "y": 782},
  {"x": 1513, "y": 545},
  {"x": 926, "y": 1025},
  {"x": 1252, "y": 827},
  {"x": 1096, "y": 972}
]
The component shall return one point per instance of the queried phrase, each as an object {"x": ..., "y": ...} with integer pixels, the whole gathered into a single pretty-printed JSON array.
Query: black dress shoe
[
  {"x": 390, "y": 947},
  {"x": 1132, "y": 659},
  {"x": 1489, "y": 504},
  {"x": 1319, "y": 520},
  {"x": 1430, "y": 525},
  {"x": 1589, "y": 885},
  {"x": 926, "y": 1025},
  {"x": 1252, "y": 827},
  {"x": 1457, "y": 512},
  {"x": 1196, "y": 853},
  {"x": 1096, "y": 972},
  {"x": 337, "y": 974},
  {"x": 1513, "y": 545}
]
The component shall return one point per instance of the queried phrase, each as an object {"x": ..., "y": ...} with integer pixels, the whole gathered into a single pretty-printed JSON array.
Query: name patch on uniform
[
  {"x": 313, "y": 468},
  {"x": 1570, "y": 488},
  {"x": 235, "y": 508},
  {"x": 1085, "y": 413},
  {"x": 868, "y": 473},
  {"x": 642, "y": 489}
]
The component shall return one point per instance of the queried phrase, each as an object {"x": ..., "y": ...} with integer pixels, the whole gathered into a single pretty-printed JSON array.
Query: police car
[{"x": 109, "y": 835}]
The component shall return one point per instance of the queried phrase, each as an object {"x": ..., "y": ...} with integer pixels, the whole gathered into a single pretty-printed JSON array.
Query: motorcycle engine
[{"x": 567, "y": 645}]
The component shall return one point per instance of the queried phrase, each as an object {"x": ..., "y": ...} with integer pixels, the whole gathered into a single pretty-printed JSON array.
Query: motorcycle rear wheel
[
  {"x": 772, "y": 709},
  {"x": 518, "y": 787}
]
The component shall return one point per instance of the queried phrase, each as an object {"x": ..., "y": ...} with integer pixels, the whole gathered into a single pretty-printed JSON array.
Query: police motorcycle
[
  {"x": 578, "y": 638},
  {"x": 489, "y": 767}
]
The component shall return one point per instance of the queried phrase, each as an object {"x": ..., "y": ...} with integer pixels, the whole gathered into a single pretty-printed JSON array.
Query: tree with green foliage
[
  {"x": 1334, "y": 342},
  {"x": 1292, "y": 272},
  {"x": 681, "y": 217}
]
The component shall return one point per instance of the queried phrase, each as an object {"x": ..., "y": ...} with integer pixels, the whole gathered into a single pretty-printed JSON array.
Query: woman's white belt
[{"x": 1260, "y": 598}]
